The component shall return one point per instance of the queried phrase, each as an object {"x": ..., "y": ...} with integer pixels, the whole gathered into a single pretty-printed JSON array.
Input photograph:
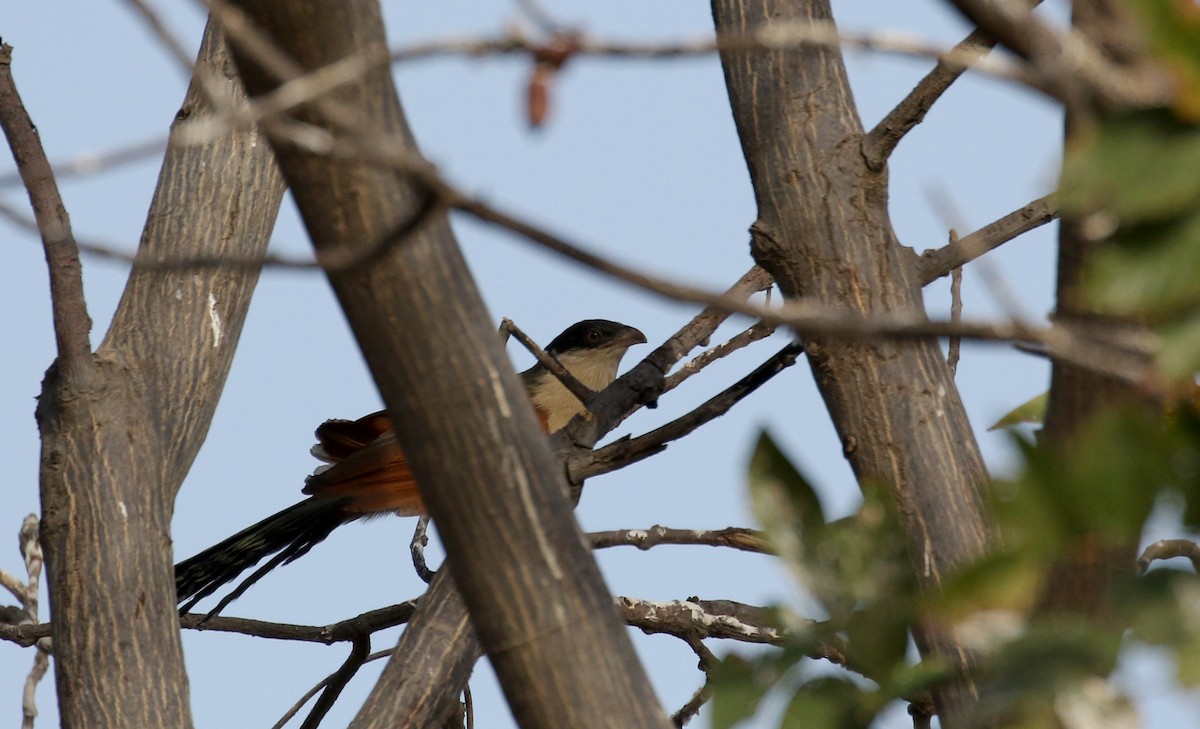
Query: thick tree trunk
[
  {"x": 535, "y": 596},
  {"x": 823, "y": 231},
  {"x": 119, "y": 433},
  {"x": 1079, "y": 582}
]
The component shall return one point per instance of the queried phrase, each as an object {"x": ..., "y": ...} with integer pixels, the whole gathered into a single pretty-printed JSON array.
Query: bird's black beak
[{"x": 629, "y": 337}]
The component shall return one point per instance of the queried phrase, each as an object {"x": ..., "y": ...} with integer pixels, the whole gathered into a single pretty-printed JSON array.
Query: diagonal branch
[
  {"x": 879, "y": 143},
  {"x": 335, "y": 684},
  {"x": 625, "y": 451},
  {"x": 742, "y": 339},
  {"x": 938, "y": 262},
  {"x": 577, "y": 388},
  {"x": 71, "y": 320}
]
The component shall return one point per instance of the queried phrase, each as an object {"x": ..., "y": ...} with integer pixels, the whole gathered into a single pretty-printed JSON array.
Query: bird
[{"x": 365, "y": 472}]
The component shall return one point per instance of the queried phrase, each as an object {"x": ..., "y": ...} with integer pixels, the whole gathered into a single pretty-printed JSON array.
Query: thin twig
[
  {"x": 295, "y": 709},
  {"x": 112, "y": 252},
  {"x": 956, "y": 306},
  {"x": 469, "y": 706},
  {"x": 41, "y": 664},
  {"x": 1168, "y": 549},
  {"x": 581, "y": 391},
  {"x": 71, "y": 320},
  {"x": 747, "y": 540},
  {"x": 993, "y": 280},
  {"x": 359, "y": 653},
  {"x": 882, "y": 140},
  {"x": 416, "y": 548},
  {"x": 688, "y": 711},
  {"x": 533, "y": 11},
  {"x": 13, "y": 584},
  {"x": 31, "y": 551},
  {"x": 708, "y": 663},
  {"x": 1071, "y": 68},
  {"x": 321, "y": 81},
  {"x": 746, "y": 337},
  {"x": 91, "y": 163},
  {"x": 168, "y": 40},
  {"x": 630, "y": 450}
]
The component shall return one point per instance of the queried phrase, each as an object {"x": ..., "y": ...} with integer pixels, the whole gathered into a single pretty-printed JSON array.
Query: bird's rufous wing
[{"x": 366, "y": 465}]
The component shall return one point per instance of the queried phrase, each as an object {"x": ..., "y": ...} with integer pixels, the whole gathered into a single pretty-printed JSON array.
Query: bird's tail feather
[{"x": 287, "y": 535}]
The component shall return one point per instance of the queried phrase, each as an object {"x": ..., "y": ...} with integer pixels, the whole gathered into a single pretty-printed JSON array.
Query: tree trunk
[
  {"x": 120, "y": 432},
  {"x": 823, "y": 232},
  {"x": 486, "y": 472}
]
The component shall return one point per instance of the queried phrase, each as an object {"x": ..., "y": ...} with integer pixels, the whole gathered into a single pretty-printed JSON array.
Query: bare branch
[
  {"x": 955, "y": 315},
  {"x": 336, "y": 683},
  {"x": 1065, "y": 58},
  {"x": 1168, "y": 549},
  {"x": 71, "y": 320},
  {"x": 581, "y": 391},
  {"x": 13, "y": 584},
  {"x": 690, "y": 619},
  {"x": 168, "y": 40},
  {"x": 630, "y": 450},
  {"x": 879, "y": 143},
  {"x": 748, "y": 336},
  {"x": 938, "y": 262},
  {"x": 416, "y": 547},
  {"x": 956, "y": 307},
  {"x": 689, "y": 710},
  {"x": 295, "y": 709},
  {"x": 748, "y": 540},
  {"x": 708, "y": 663},
  {"x": 41, "y": 664},
  {"x": 91, "y": 163},
  {"x": 31, "y": 550},
  {"x": 345, "y": 630}
]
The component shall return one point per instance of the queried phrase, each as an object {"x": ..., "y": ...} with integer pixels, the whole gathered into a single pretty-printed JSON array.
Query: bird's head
[
  {"x": 595, "y": 336},
  {"x": 591, "y": 350}
]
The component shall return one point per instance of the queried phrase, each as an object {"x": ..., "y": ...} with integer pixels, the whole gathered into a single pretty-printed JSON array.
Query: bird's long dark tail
[{"x": 287, "y": 535}]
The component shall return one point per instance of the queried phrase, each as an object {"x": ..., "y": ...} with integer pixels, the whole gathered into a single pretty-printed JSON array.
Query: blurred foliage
[
  {"x": 1136, "y": 175},
  {"x": 1133, "y": 176},
  {"x": 1172, "y": 30},
  {"x": 1032, "y": 410},
  {"x": 1039, "y": 668}
]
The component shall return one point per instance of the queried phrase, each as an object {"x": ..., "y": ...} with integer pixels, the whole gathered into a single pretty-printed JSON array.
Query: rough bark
[
  {"x": 120, "y": 432},
  {"x": 535, "y": 596},
  {"x": 823, "y": 232}
]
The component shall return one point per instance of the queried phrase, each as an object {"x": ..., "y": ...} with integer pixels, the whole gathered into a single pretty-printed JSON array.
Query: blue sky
[{"x": 639, "y": 160}]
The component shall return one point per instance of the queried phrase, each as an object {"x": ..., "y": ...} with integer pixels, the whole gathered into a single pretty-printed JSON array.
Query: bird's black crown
[{"x": 593, "y": 334}]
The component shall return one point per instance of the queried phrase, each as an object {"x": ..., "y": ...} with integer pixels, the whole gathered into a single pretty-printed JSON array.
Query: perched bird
[{"x": 366, "y": 473}]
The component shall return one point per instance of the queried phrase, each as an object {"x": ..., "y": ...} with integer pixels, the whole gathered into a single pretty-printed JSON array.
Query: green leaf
[
  {"x": 1104, "y": 486},
  {"x": 877, "y": 636},
  {"x": 829, "y": 703},
  {"x": 787, "y": 506},
  {"x": 1180, "y": 353},
  {"x": 1139, "y": 167},
  {"x": 739, "y": 685},
  {"x": 1051, "y": 655},
  {"x": 1032, "y": 410},
  {"x": 1150, "y": 269},
  {"x": 1173, "y": 31}
]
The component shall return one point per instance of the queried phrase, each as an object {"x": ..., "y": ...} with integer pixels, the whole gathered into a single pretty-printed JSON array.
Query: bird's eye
[{"x": 593, "y": 335}]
